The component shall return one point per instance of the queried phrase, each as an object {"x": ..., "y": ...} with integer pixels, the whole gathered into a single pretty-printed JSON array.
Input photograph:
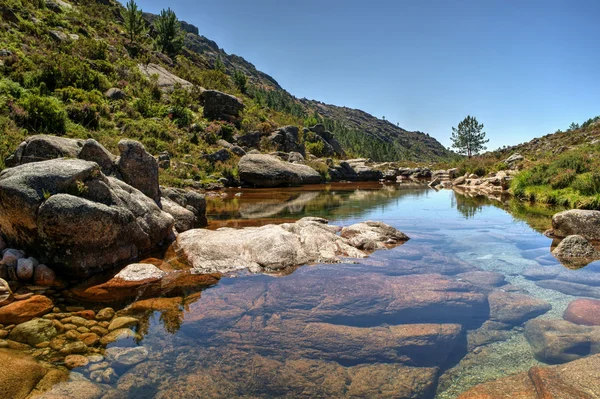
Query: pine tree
[
  {"x": 219, "y": 66},
  {"x": 169, "y": 39},
  {"x": 241, "y": 81},
  {"x": 469, "y": 138},
  {"x": 134, "y": 21}
]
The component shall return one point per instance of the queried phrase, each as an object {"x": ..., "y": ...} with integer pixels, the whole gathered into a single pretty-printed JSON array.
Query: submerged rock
[
  {"x": 578, "y": 379},
  {"x": 261, "y": 170},
  {"x": 33, "y": 332},
  {"x": 275, "y": 247},
  {"x": 559, "y": 341},
  {"x": 19, "y": 374},
  {"x": 25, "y": 310},
  {"x": 49, "y": 204},
  {"x": 576, "y": 251},
  {"x": 513, "y": 308},
  {"x": 584, "y": 312}
]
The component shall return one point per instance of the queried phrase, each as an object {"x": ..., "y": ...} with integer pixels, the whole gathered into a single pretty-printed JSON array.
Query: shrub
[
  {"x": 10, "y": 89},
  {"x": 587, "y": 183},
  {"x": 315, "y": 148},
  {"x": 41, "y": 114},
  {"x": 241, "y": 81},
  {"x": 85, "y": 114},
  {"x": 563, "y": 179}
]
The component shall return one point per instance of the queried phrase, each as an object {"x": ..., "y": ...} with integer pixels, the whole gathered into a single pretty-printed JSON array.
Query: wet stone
[
  {"x": 105, "y": 314},
  {"x": 123, "y": 322},
  {"x": 75, "y": 361}
]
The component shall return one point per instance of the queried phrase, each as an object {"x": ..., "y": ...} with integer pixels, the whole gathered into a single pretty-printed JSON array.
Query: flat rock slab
[
  {"x": 583, "y": 311},
  {"x": 276, "y": 247}
]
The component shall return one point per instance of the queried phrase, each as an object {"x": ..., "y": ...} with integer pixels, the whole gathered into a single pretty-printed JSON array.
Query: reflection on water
[{"x": 428, "y": 319}]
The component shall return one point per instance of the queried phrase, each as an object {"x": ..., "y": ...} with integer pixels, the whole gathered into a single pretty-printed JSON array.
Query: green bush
[
  {"x": 10, "y": 89},
  {"x": 315, "y": 148},
  {"x": 587, "y": 183},
  {"x": 40, "y": 114},
  {"x": 563, "y": 179},
  {"x": 84, "y": 114}
]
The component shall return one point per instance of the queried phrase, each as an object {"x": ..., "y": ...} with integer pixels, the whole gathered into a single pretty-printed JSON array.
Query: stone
[
  {"x": 275, "y": 247},
  {"x": 20, "y": 373},
  {"x": 122, "y": 322},
  {"x": 115, "y": 94},
  {"x": 577, "y": 379},
  {"x": 138, "y": 168},
  {"x": 75, "y": 361},
  {"x": 221, "y": 155},
  {"x": 190, "y": 200},
  {"x": 105, "y": 314},
  {"x": 249, "y": 140},
  {"x": 43, "y": 276},
  {"x": 287, "y": 139},
  {"x": 583, "y": 312},
  {"x": 220, "y": 106},
  {"x": 94, "y": 152},
  {"x": 576, "y": 251},
  {"x": 164, "y": 160},
  {"x": 513, "y": 158},
  {"x": 569, "y": 288},
  {"x": 269, "y": 171},
  {"x": 34, "y": 332},
  {"x": 295, "y": 157},
  {"x": 21, "y": 311},
  {"x": 121, "y": 337},
  {"x": 44, "y": 147},
  {"x": 74, "y": 347},
  {"x": 166, "y": 80},
  {"x": 25, "y": 268},
  {"x": 579, "y": 222},
  {"x": 127, "y": 356},
  {"x": 140, "y": 272},
  {"x": 10, "y": 257},
  {"x": 89, "y": 338},
  {"x": 371, "y": 236},
  {"x": 514, "y": 308},
  {"x": 5, "y": 292},
  {"x": 47, "y": 204},
  {"x": 75, "y": 389},
  {"x": 560, "y": 341},
  {"x": 184, "y": 218}
]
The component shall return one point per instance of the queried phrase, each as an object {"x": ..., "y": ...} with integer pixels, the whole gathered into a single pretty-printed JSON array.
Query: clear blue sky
[{"x": 523, "y": 68}]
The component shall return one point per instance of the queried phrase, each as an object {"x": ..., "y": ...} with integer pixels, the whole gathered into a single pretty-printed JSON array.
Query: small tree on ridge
[
  {"x": 134, "y": 21},
  {"x": 169, "y": 39},
  {"x": 469, "y": 138}
]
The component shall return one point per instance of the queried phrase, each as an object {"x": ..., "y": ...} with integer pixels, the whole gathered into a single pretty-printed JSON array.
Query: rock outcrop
[
  {"x": 138, "y": 168},
  {"x": 166, "y": 80},
  {"x": 577, "y": 222},
  {"x": 269, "y": 171},
  {"x": 287, "y": 139},
  {"x": 71, "y": 215},
  {"x": 275, "y": 247},
  {"x": 221, "y": 106}
]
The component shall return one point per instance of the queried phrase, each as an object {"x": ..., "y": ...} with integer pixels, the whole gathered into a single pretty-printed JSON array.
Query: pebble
[
  {"x": 74, "y": 308},
  {"x": 3, "y": 334},
  {"x": 122, "y": 322},
  {"x": 74, "y": 347},
  {"x": 123, "y": 334},
  {"x": 74, "y": 361},
  {"x": 83, "y": 330},
  {"x": 69, "y": 327},
  {"x": 11, "y": 256},
  {"x": 76, "y": 320},
  {"x": 105, "y": 314},
  {"x": 44, "y": 276},
  {"x": 43, "y": 345},
  {"x": 99, "y": 330},
  {"x": 90, "y": 339},
  {"x": 86, "y": 314},
  {"x": 99, "y": 366},
  {"x": 95, "y": 358},
  {"x": 25, "y": 267},
  {"x": 72, "y": 335}
]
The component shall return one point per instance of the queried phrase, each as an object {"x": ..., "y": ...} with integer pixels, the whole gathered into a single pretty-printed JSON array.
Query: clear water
[{"x": 324, "y": 330}]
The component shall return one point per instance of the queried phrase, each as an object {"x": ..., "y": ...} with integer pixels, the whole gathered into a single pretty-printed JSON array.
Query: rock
[
  {"x": 121, "y": 337},
  {"x": 577, "y": 222},
  {"x": 577, "y": 379},
  {"x": 127, "y": 356},
  {"x": 184, "y": 219},
  {"x": 164, "y": 160},
  {"x": 122, "y": 322},
  {"x": 43, "y": 276},
  {"x": 2, "y": 244},
  {"x": 287, "y": 139},
  {"x": 21, "y": 311},
  {"x": 513, "y": 158},
  {"x": 33, "y": 332},
  {"x": 190, "y": 200},
  {"x": 269, "y": 171},
  {"x": 515, "y": 309},
  {"x": 584, "y": 312},
  {"x": 115, "y": 94},
  {"x": 295, "y": 157},
  {"x": 74, "y": 347},
  {"x": 166, "y": 80},
  {"x": 569, "y": 288},
  {"x": 459, "y": 181},
  {"x": 59, "y": 36},
  {"x": 559, "y": 341},
  {"x": 140, "y": 272},
  {"x": 221, "y": 155},
  {"x": 220, "y": 106},
  {"x": 5, "y": 292},
  {"x": 47, "y": 204},
  {"x": 576, "y": 251},
  {"x": 105, "y": 314},
  {"x": 25, "y": 268},
  {"x": 94, "y": 152},
  {"x": 276, "y": 247},
  {"x": 11, "y": 257},
  {"x": 371, "y": 236},
  {"x": 238, "y": 151},
  {"x": 75, "y": 361},
  {"x": 138, "y": 168},
  {"x": 249, "y": 140},
  {"x": 77, "y": 389},
  {"x": 355, "y": 170},
  {"x": 20, "y": 374}
]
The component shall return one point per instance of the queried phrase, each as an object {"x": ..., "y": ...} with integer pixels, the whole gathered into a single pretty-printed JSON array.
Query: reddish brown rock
[
  {"x": 513, "y": 308},
  {"x": 579, "y": 379},
  {"x": 22, "y": 311},
  {"x": 483, "y": 278},
  {"x": 583, "y": 311},
  {"x": 19, "y": 374}
]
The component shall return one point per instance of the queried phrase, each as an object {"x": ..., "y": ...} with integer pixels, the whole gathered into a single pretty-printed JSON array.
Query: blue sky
[{"x": 523, "y": 68}]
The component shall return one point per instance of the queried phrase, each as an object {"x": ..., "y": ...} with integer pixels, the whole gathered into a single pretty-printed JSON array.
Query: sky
[{"x": 522, "y": 68}]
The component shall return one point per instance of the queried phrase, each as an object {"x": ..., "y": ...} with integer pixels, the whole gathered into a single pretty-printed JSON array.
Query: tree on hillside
[
  {"x": 134, "y": 21},
  {"x": 169, "y": 39},
  {"x": 469, "y": 138},
  {"x": 241, "y": 81}
]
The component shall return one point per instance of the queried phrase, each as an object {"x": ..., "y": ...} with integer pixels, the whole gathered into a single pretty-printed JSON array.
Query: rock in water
[
  {"x": 51, "y": 205},
  {"x": 575, "y": 251},
  {"x": 268, "y": 171},
  {"x": 19, "y": 374},
  {"x": 22, "y": 311},
  {"x": 584, "y": 312},
  {"x": 577, "y": 222},
  {"x": 34, "y": 332}
]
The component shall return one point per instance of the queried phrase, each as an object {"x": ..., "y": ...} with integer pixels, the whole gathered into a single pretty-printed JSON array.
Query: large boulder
[
  {"x": 74, "y": 217},
  {"x": 329, "y": 139},
  {"x": 355, "y": 170},
  {"x": 166, "y": 80},
  {"x": 268, "y": 171},
  {"x": 21, "y": 311},
  {"x": 274, "y": 247},
  {"x": 19, "y": 374},
  {"x": 44, "y": 147},
  {"x": 514, "y": 308},
  {"x": 577, "y": 222},
  {"x": 190, "y": 200},
  {"x": 287, "y": 139},
  {"x": 584, "y": 312},
  {"x": 138, "y": 168},
  {"x": 575, "y": 251},
  {"x": 221, "y": 106}
]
